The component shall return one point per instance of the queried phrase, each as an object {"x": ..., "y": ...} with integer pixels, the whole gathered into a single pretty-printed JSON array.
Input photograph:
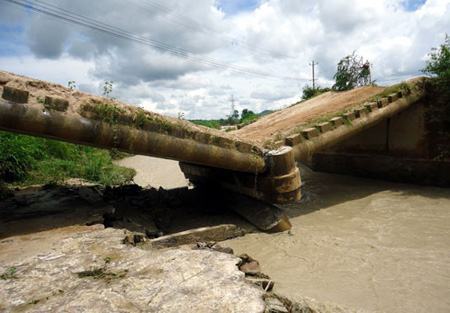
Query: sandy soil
[{"x": 285, "y": 120}]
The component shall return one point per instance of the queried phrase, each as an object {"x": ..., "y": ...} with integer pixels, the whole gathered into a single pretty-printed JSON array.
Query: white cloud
[{"x": 280, "y": 37}]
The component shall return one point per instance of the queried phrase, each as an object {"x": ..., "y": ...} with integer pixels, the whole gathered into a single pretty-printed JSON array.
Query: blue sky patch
[
  {"x": 231, "y": 7},
  {"x": 12, "y": 41},
  {"x": 413, "y": 5}
]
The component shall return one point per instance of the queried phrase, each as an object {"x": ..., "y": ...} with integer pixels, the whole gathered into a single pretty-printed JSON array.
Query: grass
[
  {"x": 102, "y": 273},
  {"x": 10, "y": 273},
  {"x": 403, "y": 87},
  {"x": 26, "y": 160},
  {"x": 107, "y": 112}
]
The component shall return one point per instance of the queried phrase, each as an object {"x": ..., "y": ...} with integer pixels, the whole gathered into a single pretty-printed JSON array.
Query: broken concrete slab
[
  {"x": 92, "y": 271},
  {"x": 214, "y": 233}
]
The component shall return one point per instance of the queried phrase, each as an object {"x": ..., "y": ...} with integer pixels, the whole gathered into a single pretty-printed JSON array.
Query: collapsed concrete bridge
[{"x": 258, "y": 160}]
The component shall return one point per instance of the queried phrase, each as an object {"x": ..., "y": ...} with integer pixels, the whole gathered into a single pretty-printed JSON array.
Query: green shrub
[
  {"x": 310, "y": 92},
  {"x": 29, "y": 160}
]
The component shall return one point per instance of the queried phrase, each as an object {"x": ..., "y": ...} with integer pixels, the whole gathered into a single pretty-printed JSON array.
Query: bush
[
  {"x": 438, "y": 102},
  {"x": 309, "y": 92},
  {"x": 30, "y": 160}
]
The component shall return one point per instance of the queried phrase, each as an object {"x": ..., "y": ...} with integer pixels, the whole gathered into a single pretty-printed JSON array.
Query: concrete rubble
[{"x": 92, "y": 271}]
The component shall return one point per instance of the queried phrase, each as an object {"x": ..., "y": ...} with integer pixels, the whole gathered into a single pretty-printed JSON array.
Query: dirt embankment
[{"x": 284, "y": 121}]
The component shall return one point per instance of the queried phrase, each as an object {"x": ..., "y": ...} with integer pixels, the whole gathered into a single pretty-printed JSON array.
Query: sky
[{"x": 191, "y": 57}]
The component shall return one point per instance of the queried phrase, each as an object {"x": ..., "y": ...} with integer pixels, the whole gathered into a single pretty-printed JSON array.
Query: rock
[
  {"x": 213, "y": 233},
  {"x": 92, "y": 271},
  {"x": 274, "y": 305},
  {"x": 248, "y": 265},
  {"x": 152, "y": 234},
  {"x": 213, "y": 246},
  {"x": 133, "y": 238}
]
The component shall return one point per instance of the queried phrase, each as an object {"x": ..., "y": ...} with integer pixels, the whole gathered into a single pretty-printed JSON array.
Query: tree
[
  {"x": 233, "y": 118},
  {"x": 248, "y": 116},
  {"x": 438, "y": 102},
  {"x": 351, "y": 72},
  {"x": 438, "y": 65},
  {"x": 310, "y": 92},
  {"x": 107, "y": 88}
]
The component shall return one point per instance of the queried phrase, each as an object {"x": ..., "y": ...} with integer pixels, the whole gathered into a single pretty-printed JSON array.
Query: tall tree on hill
[{"x": 352, "y": 72}]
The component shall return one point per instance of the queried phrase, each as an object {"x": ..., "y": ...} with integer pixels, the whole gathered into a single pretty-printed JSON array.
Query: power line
[
  {"x": 194, "y": 25},
  {"x": 70, "y": 17}
]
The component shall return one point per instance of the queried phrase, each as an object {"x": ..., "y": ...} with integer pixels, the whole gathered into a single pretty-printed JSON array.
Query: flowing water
[{"x": 362, "y": 244}]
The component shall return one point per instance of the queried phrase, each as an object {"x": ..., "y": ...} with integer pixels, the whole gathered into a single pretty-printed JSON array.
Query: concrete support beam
[
  {"x": 279, "y": 184},
  {"x": 21, "y": 118}
]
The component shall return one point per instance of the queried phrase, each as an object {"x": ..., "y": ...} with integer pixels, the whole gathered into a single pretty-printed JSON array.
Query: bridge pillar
[{"x": 280, "y": 183}]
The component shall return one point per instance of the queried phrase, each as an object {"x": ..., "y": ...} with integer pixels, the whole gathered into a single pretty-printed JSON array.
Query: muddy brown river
[
  {"x": 366, "y": 245},
  {"x": 362, "y": 244}
]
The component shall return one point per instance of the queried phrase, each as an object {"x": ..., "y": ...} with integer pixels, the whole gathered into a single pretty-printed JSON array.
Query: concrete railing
[{"x": 339, "y": 128}]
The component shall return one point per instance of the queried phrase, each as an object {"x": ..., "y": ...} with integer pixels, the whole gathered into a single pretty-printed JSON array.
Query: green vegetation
[
  {"x": 403, "y": 87},
  {"x": 26, "y": 160},
  {"x": 102, "y": 272},
  {"x": 438, "y": 65},
  {"x": 438, "y": 104},
  {"x": 352, "y": 72},
  {"x": 246, "y": 117},
  {"x": 10, "y": 273},
  {"x": 107, "y": 112},
  {"x": 209, "y": 123},
  {"x": 310, "y": 92}
]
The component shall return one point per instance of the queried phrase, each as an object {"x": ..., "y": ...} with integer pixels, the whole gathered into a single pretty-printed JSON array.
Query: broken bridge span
[{"x": 259, "y": 160}]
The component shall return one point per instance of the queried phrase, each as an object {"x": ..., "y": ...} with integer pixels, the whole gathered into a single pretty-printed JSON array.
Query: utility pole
[
  {"x": 233, "y": 108},
  {"x": 313, "y": 64}
]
